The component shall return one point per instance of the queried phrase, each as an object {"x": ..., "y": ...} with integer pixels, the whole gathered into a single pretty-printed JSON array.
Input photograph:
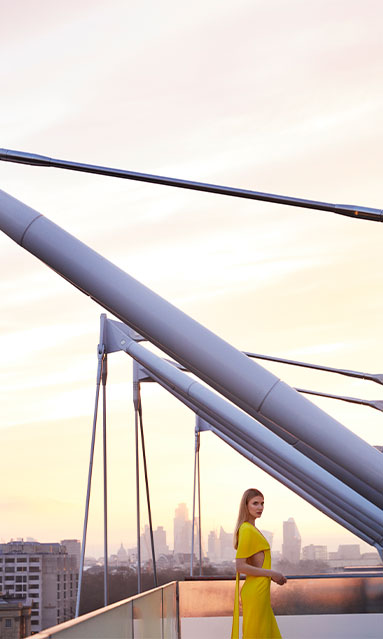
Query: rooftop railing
[{"x": 336, "y": 606}]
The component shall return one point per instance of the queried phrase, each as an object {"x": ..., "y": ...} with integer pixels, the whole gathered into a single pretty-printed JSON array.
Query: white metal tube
[
  {"x": 288, "y": 479},
  {"x": 347, "y": 476},
  {"x": 332, "y": 500},
  {"x": 247, "y": 384},
  {"x": 300, "y": 481},
  {"x": 219, "y": 408},
  {"x": 289, "y": 484}
]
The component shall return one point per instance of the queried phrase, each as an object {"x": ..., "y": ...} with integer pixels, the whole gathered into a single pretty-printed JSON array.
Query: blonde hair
[{"x": 243, "y": 512}]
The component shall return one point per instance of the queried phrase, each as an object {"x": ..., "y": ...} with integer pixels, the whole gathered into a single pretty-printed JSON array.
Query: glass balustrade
[{"x": 333, "y": 606}]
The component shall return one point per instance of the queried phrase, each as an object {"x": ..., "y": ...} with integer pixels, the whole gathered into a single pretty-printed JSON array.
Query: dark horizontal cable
[{"x": 357, "y": 212}]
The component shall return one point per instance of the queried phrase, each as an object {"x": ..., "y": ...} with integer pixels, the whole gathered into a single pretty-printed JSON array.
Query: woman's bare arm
[
  {"x": 254, "y": 571},
  {"x": 247, "y": 569}
]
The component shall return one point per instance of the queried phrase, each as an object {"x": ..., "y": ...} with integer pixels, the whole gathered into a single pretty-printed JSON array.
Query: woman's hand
[{"x": 278, "y": 578}]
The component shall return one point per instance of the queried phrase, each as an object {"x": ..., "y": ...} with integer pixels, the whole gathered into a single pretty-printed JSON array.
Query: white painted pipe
[
  {"x": 319, "y": 505},
  {"x": 230, "y": 372},
  {"x": 347, "y": 476},
  {"x": 243, "y": 430},
  {"x": 271, "y": 445},
  {"x": 316, "y": 496}
]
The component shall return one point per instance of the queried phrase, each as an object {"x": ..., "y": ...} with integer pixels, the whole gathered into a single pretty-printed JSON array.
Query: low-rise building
[
  {"x": 15, "y": 617},
  {"x": 315, "y": 553},
  {"x": 46, "y": 574},
  {"x": 73, "y": 547},
  {"x": 350, "y": 555}
]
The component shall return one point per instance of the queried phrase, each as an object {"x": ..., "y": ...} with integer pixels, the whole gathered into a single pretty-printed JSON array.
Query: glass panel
[
  {"x": 169, "y": 604},
  {"x": 207, "y": 598},
  {"x": 114, "y": 623},
  {"x": 327, "y": 595},
  {"x": 129, "y": 615},
  {"x": 130, "y": 628},
  {"x": 147, "y": 612},
  {"x": 337, "y": 595}
]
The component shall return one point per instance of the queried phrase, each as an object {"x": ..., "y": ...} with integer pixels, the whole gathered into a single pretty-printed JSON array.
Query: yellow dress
[{"x": 258, "y": 618}]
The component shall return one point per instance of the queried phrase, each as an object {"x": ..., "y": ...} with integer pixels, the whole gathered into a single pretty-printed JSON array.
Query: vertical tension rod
[{"x": 87, "y": 500}]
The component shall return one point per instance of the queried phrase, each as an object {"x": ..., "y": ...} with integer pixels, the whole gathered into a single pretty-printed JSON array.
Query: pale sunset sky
[{"x": 279, "y": 96}]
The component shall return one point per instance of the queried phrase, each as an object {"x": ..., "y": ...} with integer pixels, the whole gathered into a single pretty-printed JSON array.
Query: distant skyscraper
[
  {"x": 213, "y": 549},
  {"x": 159, "y": 539},
  {"x": 146, "y": 550},
  {"x": 182, "y": 530},
  {"x": 226, "y": 545},
  {"x": 220, "y": 548},
  {"x": 291, "y": 547}
]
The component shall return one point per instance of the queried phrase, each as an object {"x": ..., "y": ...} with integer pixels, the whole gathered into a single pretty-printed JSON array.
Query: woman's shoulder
[
  {"x": 250, "y": 541},
  {"x": 252, "y": 530},
  {"x": 249, "y": 528},
  {"x": 247, "y": 524}
]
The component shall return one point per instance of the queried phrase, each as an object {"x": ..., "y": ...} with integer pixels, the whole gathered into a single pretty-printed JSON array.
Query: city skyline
[
  {"x": 290, "y": 530},
  {"x": 260, "y": 103},
  {"x": 218, "y": 550}
]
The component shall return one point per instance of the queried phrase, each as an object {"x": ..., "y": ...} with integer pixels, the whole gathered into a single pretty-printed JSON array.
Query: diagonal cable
[
  {"x": 373, "y": 403},
  {"x": 147, "y": 489},
  {"x": 371, "y": 377}
]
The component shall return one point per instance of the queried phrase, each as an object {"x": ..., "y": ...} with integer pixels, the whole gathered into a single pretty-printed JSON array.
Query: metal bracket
[
  {"x": 201, "y": 424},
  {"x": 113, "y": 340}
]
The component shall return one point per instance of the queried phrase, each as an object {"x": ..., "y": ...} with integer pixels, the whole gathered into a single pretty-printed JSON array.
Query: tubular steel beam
[
  {"x": 228, "y": 425},
  {"x": 252, "y": 388}
]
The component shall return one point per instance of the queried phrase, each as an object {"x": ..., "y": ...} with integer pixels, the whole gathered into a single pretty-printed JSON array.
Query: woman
[{"x": 253, "y": 560}]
